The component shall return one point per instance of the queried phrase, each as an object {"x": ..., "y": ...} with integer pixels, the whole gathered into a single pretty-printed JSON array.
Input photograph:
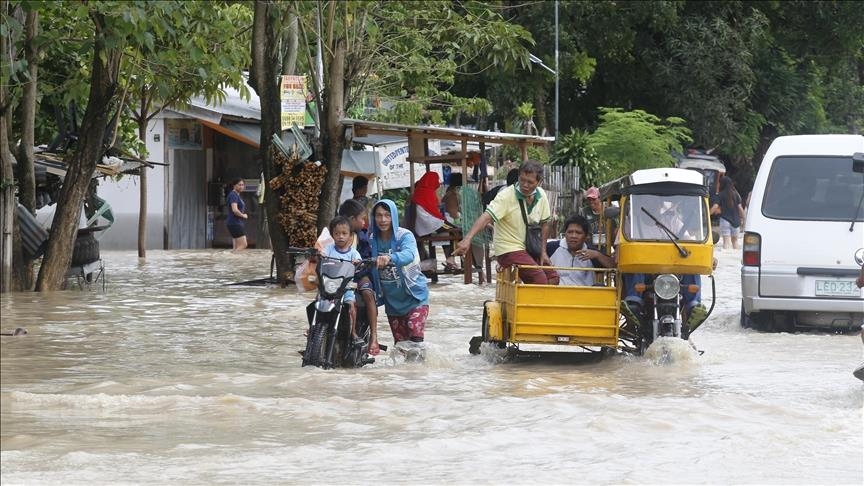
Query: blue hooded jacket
[{"x": 410, "y": 288}]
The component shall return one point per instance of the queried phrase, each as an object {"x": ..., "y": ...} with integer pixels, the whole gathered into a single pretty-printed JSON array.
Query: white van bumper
[{"x": 800, "y": 302}]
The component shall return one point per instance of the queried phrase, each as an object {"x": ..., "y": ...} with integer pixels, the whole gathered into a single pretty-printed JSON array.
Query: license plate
[{"x": 836, "y": 288}]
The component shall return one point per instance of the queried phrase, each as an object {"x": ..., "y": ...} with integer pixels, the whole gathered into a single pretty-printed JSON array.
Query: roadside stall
[{"x": 419, "y": 140}]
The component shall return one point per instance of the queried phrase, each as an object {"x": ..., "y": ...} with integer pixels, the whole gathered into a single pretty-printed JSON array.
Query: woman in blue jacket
[{"x": 401, "y": 285}]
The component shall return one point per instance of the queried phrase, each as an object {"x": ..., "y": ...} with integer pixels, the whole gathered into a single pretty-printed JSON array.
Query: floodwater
[{"x": 172, "y": 376}]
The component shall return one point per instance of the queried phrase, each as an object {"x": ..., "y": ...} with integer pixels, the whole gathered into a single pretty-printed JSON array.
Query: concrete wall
[{"x": 123, "y": 195}]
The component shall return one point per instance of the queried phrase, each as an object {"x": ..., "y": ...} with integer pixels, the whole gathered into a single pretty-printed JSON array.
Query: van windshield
[{"x": 813, "y": 189}]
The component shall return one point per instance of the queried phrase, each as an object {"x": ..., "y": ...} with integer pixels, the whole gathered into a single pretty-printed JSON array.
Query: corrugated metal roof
[
  {"x": 396, "y": 129},
  {"x": 234, "y": 105}
]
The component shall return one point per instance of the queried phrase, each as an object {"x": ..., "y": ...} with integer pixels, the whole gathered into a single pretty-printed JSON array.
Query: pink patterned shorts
[{"x": 410, "y": 327}]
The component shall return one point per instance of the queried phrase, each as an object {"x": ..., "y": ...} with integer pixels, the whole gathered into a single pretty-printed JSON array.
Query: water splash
[{"x": 666, "y": 350}]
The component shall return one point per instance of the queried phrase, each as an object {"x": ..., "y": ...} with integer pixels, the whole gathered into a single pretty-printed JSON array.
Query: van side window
[{"x": 812, "y": 188}]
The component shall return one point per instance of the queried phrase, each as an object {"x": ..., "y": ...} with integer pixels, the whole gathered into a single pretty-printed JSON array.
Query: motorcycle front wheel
[{"x": 316, "y": 349}]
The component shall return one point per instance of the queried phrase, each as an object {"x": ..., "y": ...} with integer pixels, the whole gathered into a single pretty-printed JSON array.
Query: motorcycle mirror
[
  {"x": 715, "y": 236},
  {"x": 611, "y": 212}
]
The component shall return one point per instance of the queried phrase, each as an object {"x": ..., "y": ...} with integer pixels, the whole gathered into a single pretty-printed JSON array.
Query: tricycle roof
[
  {"x": 702, "y": 162},
  {"x": 664, "y": 180}
]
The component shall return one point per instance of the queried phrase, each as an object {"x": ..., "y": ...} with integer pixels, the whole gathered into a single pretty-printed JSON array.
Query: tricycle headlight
[
  {"x": 331, "y": 285},
  {"x": 667, "y": 286}
]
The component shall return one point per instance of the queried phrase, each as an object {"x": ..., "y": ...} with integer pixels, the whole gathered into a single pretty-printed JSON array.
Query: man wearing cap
[{"x": 592, "y": 209}]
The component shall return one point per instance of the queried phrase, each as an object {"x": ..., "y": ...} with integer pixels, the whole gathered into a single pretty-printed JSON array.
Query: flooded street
[{"x": 172, "y": 376}]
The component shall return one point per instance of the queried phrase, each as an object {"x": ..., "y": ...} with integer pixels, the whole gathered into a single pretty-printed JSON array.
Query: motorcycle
[
  {"x": 661, "y": 232},
  {"x": 329, "y": 343},
  {"x": 662, "y": 311},
  {"x": 665, "y": 244}
]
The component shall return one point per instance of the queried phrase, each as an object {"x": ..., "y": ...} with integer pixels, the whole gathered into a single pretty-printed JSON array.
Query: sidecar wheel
[{"x": 474, "y": 344}]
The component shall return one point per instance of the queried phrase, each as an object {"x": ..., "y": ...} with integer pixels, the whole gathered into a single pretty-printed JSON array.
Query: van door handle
[{"x": 830, "y": 272}]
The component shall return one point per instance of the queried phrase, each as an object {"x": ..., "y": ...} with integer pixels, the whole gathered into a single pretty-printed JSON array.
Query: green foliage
[
  {"x": 524, "y": 119},
  {"x": 525, "y": 111},
  {"x": 574, "y": 149},
  {"x": 456, "y": 106},
  {"x": 166, "y": 65},
  {"x": 535, "y": 152},
  {"x": 706, "y": 68},
  {"x": 399, "y": 196},
  {"x": 739, "y": 72},
  {"x": 633, "y": 140},
  {"x": 411, "y": 52},
  {"x": 173, "y": 50}
]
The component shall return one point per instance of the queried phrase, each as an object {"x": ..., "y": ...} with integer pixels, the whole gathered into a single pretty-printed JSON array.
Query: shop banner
[
  {"x": 183, "y": 134},
  {"x": 396, "y": 170},
  {"x": 293, "y": 95}
]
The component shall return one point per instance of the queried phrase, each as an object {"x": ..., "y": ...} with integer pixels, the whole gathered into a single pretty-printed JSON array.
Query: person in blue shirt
[
  {"x": 236, "y": 213},
  {"x": 401, "y": 285},
  {"x": 341, "y": 248},
  {"x": 358, "y": 217}
]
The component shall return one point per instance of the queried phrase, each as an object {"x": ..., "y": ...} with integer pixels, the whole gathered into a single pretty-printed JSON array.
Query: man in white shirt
[{"x": 573, "y": 251}]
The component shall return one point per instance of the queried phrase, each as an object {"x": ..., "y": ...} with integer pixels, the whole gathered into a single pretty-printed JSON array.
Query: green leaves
[
  {"x": 633, "y": 140},
  {"x": 411, "y": 52}
]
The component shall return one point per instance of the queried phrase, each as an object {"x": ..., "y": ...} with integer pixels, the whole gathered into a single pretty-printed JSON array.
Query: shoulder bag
[{"x": 533, "y": 238}]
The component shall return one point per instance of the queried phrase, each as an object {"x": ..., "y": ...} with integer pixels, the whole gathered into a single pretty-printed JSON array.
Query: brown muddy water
[{"x": 170, "y": 376}]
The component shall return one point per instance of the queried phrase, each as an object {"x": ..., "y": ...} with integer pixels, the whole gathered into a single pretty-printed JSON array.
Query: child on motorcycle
[
  {"x": 343, "y": 236},
  {"x": 357, "y": 215}
]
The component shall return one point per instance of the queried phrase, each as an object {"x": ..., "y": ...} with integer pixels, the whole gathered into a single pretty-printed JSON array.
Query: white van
[{"x": 804, "y": 236}]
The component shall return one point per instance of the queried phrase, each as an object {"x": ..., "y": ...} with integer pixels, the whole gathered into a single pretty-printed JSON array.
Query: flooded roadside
[{"x": 171, "y": 375}]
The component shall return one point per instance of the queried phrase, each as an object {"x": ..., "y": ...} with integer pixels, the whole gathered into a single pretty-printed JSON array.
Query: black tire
[
  {"x": 316, "y": 349},
  {"x": 760, "y": 321},
  {"x": 474, "y": 344},
  {"x": 344, "y": 355},
  {"x": 484, "y": 324},
  {"x": 86, "y": 250},
  {"x": 745, "y": 319}
]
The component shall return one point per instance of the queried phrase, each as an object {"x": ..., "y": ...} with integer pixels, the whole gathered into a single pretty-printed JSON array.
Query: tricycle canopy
[{"x": 661, "y": 181}]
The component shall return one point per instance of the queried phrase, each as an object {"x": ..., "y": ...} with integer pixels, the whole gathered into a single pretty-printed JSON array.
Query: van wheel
[
  {"x": 760, "y": 321},
  {"x": 745, "y": 319}
]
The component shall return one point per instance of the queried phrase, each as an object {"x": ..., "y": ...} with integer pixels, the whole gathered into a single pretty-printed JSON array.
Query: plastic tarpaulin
[{"x": 356, "y": 163}]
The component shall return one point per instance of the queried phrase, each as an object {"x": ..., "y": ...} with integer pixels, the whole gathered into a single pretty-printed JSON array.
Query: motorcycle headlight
[
  {"x": 667, "y": 286},
  {"x": 331, "y": 285}
]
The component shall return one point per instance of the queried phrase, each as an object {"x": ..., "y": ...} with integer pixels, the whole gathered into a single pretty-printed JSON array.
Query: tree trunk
[
  {"x": 103, "y": 90},
  {"x": 264, "y": 79},
  {"x": 142, "y": 200},
  {"x": 22, "y": 266},
  {"x": 7, "y": 198},
  {"x": 290, "y": 41},
  {"x": 332, "y": 140},
  {"x": 25, "y": 172},
  {"x": 7, "y": 178}
]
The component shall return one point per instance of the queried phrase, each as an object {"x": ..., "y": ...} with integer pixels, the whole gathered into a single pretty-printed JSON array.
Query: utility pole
[{"x": 556, "y": 70}]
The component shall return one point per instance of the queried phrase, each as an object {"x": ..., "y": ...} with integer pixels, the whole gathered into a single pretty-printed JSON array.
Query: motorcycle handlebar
[
  {"x": 314, "y": 252},
  {"x": 296, "y": 250}
]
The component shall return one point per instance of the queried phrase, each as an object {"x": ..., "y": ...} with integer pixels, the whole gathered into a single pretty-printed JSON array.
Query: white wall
[{"x": 123, "y": 195}]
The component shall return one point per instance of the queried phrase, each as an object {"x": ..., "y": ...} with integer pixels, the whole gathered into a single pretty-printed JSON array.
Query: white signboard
[{"x": 395, "y": 168}]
